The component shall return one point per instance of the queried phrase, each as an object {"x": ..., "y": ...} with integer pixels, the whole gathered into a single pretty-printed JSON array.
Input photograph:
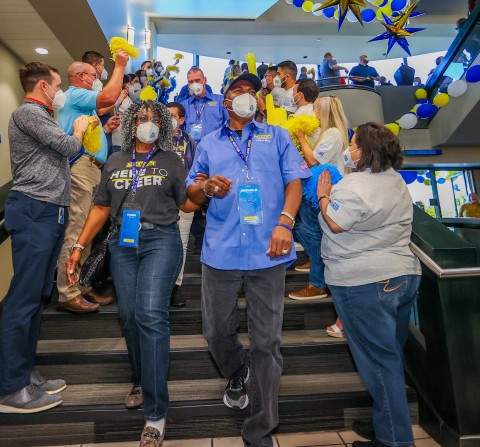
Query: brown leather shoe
[
  {"x": 94, "y": 297},
  {"x": 309, "y": 293},
  {"x": 304, "y": 268},
  {"x": 134, "y": 398},
  {"x": 78, "y": 305},
  {"x": 151, "y": 437}
]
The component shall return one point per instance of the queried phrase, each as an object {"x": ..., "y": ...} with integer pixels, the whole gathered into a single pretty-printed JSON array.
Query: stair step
[
  {"x": 298, "y": 315},
  {"x": 307, "y": 403},
  {"x": 88, "y": 361}
]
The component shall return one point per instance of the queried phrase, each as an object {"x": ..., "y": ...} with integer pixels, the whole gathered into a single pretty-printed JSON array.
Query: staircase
[{"x": 320, "y": 389}]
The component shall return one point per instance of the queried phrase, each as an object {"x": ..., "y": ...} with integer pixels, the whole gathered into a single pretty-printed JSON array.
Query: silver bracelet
[
  {"x": 78, "y": 247},
  {"x": 205, "y": 189},
  {"x": 284, "y": 213}
]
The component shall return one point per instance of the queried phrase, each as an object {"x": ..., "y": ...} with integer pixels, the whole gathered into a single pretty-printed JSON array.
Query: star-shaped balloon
[
  {"x": 396, "y": 31},
  {"x": 344, "y": 6}
]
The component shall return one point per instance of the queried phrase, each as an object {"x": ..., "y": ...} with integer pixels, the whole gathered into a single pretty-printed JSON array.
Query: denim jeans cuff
[{"x": 397, "y": 444}]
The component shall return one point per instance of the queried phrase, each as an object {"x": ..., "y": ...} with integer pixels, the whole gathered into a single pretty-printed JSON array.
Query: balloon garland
[{"x": 425, "y": 109}]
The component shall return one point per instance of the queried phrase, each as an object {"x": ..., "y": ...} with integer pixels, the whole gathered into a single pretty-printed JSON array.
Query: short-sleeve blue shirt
[
  {"x": 275, "y": 162},
  {"x": 364, "y": 71},
  {"x": 213, "y": 116},
  {"x": 81, "y": 101}
]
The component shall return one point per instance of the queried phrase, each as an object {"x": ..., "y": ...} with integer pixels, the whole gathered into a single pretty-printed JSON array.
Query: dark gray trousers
[{"x": 265, "y": 292}]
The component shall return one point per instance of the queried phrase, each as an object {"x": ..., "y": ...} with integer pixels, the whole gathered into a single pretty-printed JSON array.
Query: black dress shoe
[
  {"x": 177, "y": 299},
  {"x": 364, "y": 429},
  {"x": 373, "y": 443}
]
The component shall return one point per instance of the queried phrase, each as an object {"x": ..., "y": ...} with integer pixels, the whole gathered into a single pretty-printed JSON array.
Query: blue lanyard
[
  {"x": 237, "y": 148},
  {"x": 177, "y": 143},
  {"x": 135, "y": 177},
  {"x": 199, "y": 114}
]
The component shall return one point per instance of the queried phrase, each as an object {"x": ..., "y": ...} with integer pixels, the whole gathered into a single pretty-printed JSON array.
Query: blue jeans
[
  {"x": 376, "y": 318},
  {"x": 37, "y": 238},
  {"x": 308, "y": 232},
  {"x": 144, "y": 279}
]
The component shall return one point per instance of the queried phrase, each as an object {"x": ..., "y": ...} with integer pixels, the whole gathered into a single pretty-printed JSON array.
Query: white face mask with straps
[
  {"x": 244, "y": 105},
  {"x": 59, "y": 98},
  {"x": 347, "y": 158},
  {"x": 148, "y": 132}
]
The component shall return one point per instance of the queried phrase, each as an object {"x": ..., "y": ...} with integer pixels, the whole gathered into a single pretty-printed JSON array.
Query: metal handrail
[{"x": 462, "y": 272}]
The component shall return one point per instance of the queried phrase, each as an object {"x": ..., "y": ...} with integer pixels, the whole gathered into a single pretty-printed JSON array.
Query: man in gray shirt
[
  {"x": 330, "y": 69},
  {"x": 35, "y": 216}
]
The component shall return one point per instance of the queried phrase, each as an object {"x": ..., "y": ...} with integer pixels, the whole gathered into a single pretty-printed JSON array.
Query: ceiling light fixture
[
  {"x": 41, "y": 50},
  {"x": 147, "y": 38},
  {"x": 130, "y": 34}
]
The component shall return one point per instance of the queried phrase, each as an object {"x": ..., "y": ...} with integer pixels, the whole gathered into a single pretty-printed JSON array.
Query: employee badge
[
  {"x": 250, "y": 202},
  {"x": 130, "y": 228}
]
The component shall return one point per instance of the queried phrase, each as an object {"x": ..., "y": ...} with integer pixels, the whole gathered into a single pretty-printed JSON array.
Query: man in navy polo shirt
[
  {"x": 366, "y": 74},
  {"x": 252, "y": 173}
]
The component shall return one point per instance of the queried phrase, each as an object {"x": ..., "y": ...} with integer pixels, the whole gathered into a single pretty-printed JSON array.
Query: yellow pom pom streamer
[
  {"x": 148, "y": 93},
  {"x": 92, "y": 139},
  {"x": 165, "y": 83},
  {"x": 171, "y": 68},
  {"x": 178, "y": 56},
  {"x": 119, "y": 43},
  {"x": 311, "y": 71},
  {"x": 307, "y": 123}
]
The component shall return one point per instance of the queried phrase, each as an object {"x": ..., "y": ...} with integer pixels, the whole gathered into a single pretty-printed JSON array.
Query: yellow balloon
[
  {"x": 379, "y": 14},
  {"x": 336, "y": 14},
  {"x": 377, "y": 2},
  {"x": 394, "y": 127},
  {"x": 307, "y": 6},
  {"x": 387, "y": 10},
  {"x": 421, "y": 93},
  {"x": 441, "y": 100},
  {"x": 148, "y": 93}
]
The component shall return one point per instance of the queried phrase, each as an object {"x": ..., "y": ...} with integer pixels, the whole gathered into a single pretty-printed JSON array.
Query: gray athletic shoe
[
  {"x": 235, "y": 396},
  {"x": 47, "y": 386},
  {"x": 28, "y": 400}
]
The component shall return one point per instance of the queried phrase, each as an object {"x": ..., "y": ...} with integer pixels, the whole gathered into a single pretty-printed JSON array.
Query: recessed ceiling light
[
  {"x": 318, "y": 39},
  {"x": 41, "y": 50},
  {"x": 229, "y": 52},
  {"x": 305, "y": 57}
]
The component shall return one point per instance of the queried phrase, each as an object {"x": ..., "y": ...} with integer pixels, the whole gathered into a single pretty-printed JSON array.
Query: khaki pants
[{"x": 85, "y": 178}]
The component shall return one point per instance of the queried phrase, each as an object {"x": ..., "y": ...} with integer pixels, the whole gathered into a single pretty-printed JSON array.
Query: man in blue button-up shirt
[
  {"x": 204, "y": 111},
  {"x": 237, "y": 252}
]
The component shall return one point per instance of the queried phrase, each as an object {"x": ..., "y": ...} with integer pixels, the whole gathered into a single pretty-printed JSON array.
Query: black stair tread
[
  {"x": 191, "y": 304},
  {"x": 212, "y": 389},
  {"x": 177, "y": 342}
]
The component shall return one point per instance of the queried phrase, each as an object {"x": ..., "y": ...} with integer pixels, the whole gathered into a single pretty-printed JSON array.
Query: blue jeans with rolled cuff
[
  {"x": 144, "y": 278},
  {"x": 375, "y": 318}
]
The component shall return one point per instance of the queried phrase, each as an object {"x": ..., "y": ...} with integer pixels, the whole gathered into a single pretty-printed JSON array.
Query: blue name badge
[
  {"x": 196, "y": 131},
  {"x": 250, "y": 203},
  {"x": 130, "y": 228}
]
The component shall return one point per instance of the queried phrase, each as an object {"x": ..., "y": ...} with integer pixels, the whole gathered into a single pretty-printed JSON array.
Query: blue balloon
[
  {"x": 395, "y": 14},
  {"x": 351, "y": 133},
  {"x": 473, "y": 74},
  {"x": 426, "y": 111},
  {"x": 384, "y": 3},
  {"x": 427, "y": 174},
  {"x": 398, "y": 5},
  {"x": 329, "y": 12},
  {"x": 408, "y": 176},
  {"x": 298, "y": 3},
  {"x": 422, "y": 101},
  {"x": 420, "y": 179},
  {"x": 441, "y": 181},
  {"x": 368, "y": 15}
]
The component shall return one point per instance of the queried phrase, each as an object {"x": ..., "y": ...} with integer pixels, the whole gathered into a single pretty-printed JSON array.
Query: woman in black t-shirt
[{"x": 146, "y": 250}]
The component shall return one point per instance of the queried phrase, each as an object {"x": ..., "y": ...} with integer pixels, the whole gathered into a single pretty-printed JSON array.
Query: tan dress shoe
[
  {"x": 309, "y": 293},
  {"x": 78, "y": 305},
  {"x": 94, "y": 297},
  {"x": 151, "y": 437},
  {"x": 304, "y": 268},
  {"x": 134, "y": 398}
]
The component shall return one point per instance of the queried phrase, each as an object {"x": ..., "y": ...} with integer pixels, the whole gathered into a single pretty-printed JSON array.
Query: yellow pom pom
[
  {"x": 311, "y": 71},
  {"x": 178, "y": 56},
  {"x": 306, "y": 123},
  {"x": 394, "y": 127},
  {"x": 92, "y": 140},
  {"x": 148, "y": 93},
  {"x": 421, "y": 93},
  {"x": 165, "y": 83},
  {"x": 119, "y": 43},
  {"x": 441, "y": 100},
  {"x": 171, "y": 68}
]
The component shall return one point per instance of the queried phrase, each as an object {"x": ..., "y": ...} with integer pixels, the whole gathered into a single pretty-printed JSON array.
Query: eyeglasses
[{"x": 152, "y": 119}]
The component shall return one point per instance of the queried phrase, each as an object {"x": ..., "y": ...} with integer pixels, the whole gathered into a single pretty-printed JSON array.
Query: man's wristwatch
[{"x": 78, "y": 247}]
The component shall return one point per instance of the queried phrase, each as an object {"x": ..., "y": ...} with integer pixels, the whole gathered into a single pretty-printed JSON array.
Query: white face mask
[
  {"x": 147, "y": 132},
  {"x": 174, "y": 123},
  {"x": 244, "y": 105},
  {"x": 104, "y": 75},
  {"x": 277, "y": 82},
  {"x": 97, "y": 85},
  {"x": 59, "y": 98},
  {"x": 196, "y": 88},
  {"x": 150, "y": 72},
  {"x": 347, "y": 158},
  {"x": 264, "y": 83},
  {"x": 296, "y": 98},
  {"x": 131, "y": 90},
  {"x": 137, "y": 86},
  {"x": 143, "y": 79}
]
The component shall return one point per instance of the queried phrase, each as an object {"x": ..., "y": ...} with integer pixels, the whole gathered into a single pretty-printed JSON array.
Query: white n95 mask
[
  {"x": 97, "y": 85},
  {"x": 244, "y": 105},
  {"x": 347, "y": 158},
  {"x": 104, "y": 75},
  {"x": 196, "y": 88},
  {"x": 147, "y": 132}
]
